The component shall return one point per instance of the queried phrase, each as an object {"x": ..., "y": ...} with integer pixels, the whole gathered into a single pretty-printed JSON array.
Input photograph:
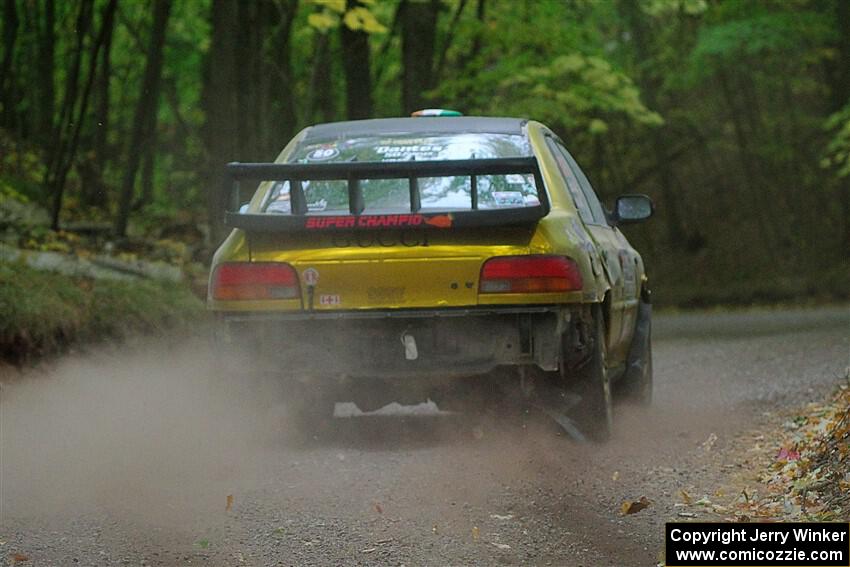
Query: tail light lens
[
  {"x": 255, "y": 280},
  {"x": 529, "y": 274}
]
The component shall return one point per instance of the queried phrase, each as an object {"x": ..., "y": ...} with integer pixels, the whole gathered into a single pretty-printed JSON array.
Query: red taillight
[
  {"x": 529, "y": 274},
  {"x": 255, "y": 280}
]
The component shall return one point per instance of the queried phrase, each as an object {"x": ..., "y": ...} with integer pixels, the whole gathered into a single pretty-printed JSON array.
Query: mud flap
[
  {"x": 637, "y": 362},
  {"x": 557, "y": 406},
  {"x": 568, "y": 425}
]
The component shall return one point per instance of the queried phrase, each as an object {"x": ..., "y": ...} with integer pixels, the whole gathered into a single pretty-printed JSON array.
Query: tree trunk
[
  {"x": 418, "y": 30},
  {"x": 279, "y": 88},
  {"x": 249, "y": 73},
  {"x": 57, "y": 148},
  {"x": 382, "y": 62},
  {"x": 144, "y": 115},
  {"x": 220, "y": 105},
  {"x": 148, "y": 164},
  {"x": 447, "y": 42},
  {"x": 46, "y": 59},
  {"x": 84, "y": 19},
  {"x": 93, "y": 190},
  {"x": 478, "y": 39},
  {"x": 7, "y": 81},
  {"x": 841, "y": 97},
  {"x": 102, "y": 112},
  {"x": 25, "y": 74},
  {"x": 66, "y": 147},
  {"x": 357, "y": 70},
  {"x": 320, "y": 98}
]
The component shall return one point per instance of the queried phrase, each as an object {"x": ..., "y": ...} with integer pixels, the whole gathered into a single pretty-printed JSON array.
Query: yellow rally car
[{"x": 443, "y": 257}]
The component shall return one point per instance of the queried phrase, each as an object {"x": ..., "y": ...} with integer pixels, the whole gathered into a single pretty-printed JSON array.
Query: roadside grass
[{"x": 43, "y": 313}]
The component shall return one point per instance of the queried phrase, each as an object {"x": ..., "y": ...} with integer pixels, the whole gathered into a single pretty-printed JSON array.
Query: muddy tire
[
  {"x": 595, "y": 413},
  {"x": 636, "y": 384}
]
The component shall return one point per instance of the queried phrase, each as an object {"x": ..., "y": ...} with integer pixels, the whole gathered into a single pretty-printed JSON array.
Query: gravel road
[{"x": 129, "y": 458}]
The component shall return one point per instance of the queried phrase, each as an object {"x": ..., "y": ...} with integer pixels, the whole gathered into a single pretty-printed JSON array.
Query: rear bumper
[
  {"x": 376, "y": 344},
  {"x": 388, "y": 313}
]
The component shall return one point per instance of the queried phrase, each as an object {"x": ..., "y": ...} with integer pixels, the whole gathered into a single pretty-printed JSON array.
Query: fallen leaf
[
  {"x": 708, "y": 444},
  {"x": 786, "y": 454},
  {"x": 635, "y": 507},
  {"x": 229, "y": 503},
  {"x": 476, "y": 533},
  {"x": 615, "y": 476},
  {"x": 686, "y": 498},
  {"x": 19, "y": 558},
  {"x": 378, "y": 508}
]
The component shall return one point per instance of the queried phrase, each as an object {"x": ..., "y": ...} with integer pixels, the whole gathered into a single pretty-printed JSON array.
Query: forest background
[{"x": 116, "y": 116}]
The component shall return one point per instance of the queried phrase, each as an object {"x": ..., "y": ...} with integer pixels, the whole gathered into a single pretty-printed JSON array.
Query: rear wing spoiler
[{"x": 300, "y": 219}]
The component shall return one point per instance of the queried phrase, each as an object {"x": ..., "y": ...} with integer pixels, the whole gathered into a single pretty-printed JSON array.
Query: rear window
[{"x": 393, "y": 195}]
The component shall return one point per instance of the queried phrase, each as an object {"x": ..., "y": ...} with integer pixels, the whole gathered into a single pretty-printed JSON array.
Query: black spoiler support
[{"x": 353, "y": 172}]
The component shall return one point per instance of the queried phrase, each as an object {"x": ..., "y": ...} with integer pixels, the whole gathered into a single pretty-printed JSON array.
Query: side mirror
[{"x": 630, "y": 209}]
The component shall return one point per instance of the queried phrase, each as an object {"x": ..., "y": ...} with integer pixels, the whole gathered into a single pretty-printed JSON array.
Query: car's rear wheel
[{"x": 595, "y": 414}]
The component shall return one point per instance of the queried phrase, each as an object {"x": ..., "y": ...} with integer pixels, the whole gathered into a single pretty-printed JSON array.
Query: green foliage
[
  {"x": 21, "y": 171},
  {"x": 356, "y": 18},
  {"x": 665, "y": 7},
  {"x": 749, "y": 30},
  {"x": 838, "y": 148},
  {"x": 574, "y": 91},
  {"x": 44, "y": 312},
  {"x": 552, "y": 66},
  {"x": 9, "y": 191}
]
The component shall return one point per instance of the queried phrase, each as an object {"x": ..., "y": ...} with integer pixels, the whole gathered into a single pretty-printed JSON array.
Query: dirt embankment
[{"x": 46, "y": 313}]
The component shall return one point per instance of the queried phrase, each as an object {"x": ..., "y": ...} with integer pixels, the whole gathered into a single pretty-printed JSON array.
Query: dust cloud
[
  {"x": 162, "y": 433},
  {"x": 159, "y": 435}
]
